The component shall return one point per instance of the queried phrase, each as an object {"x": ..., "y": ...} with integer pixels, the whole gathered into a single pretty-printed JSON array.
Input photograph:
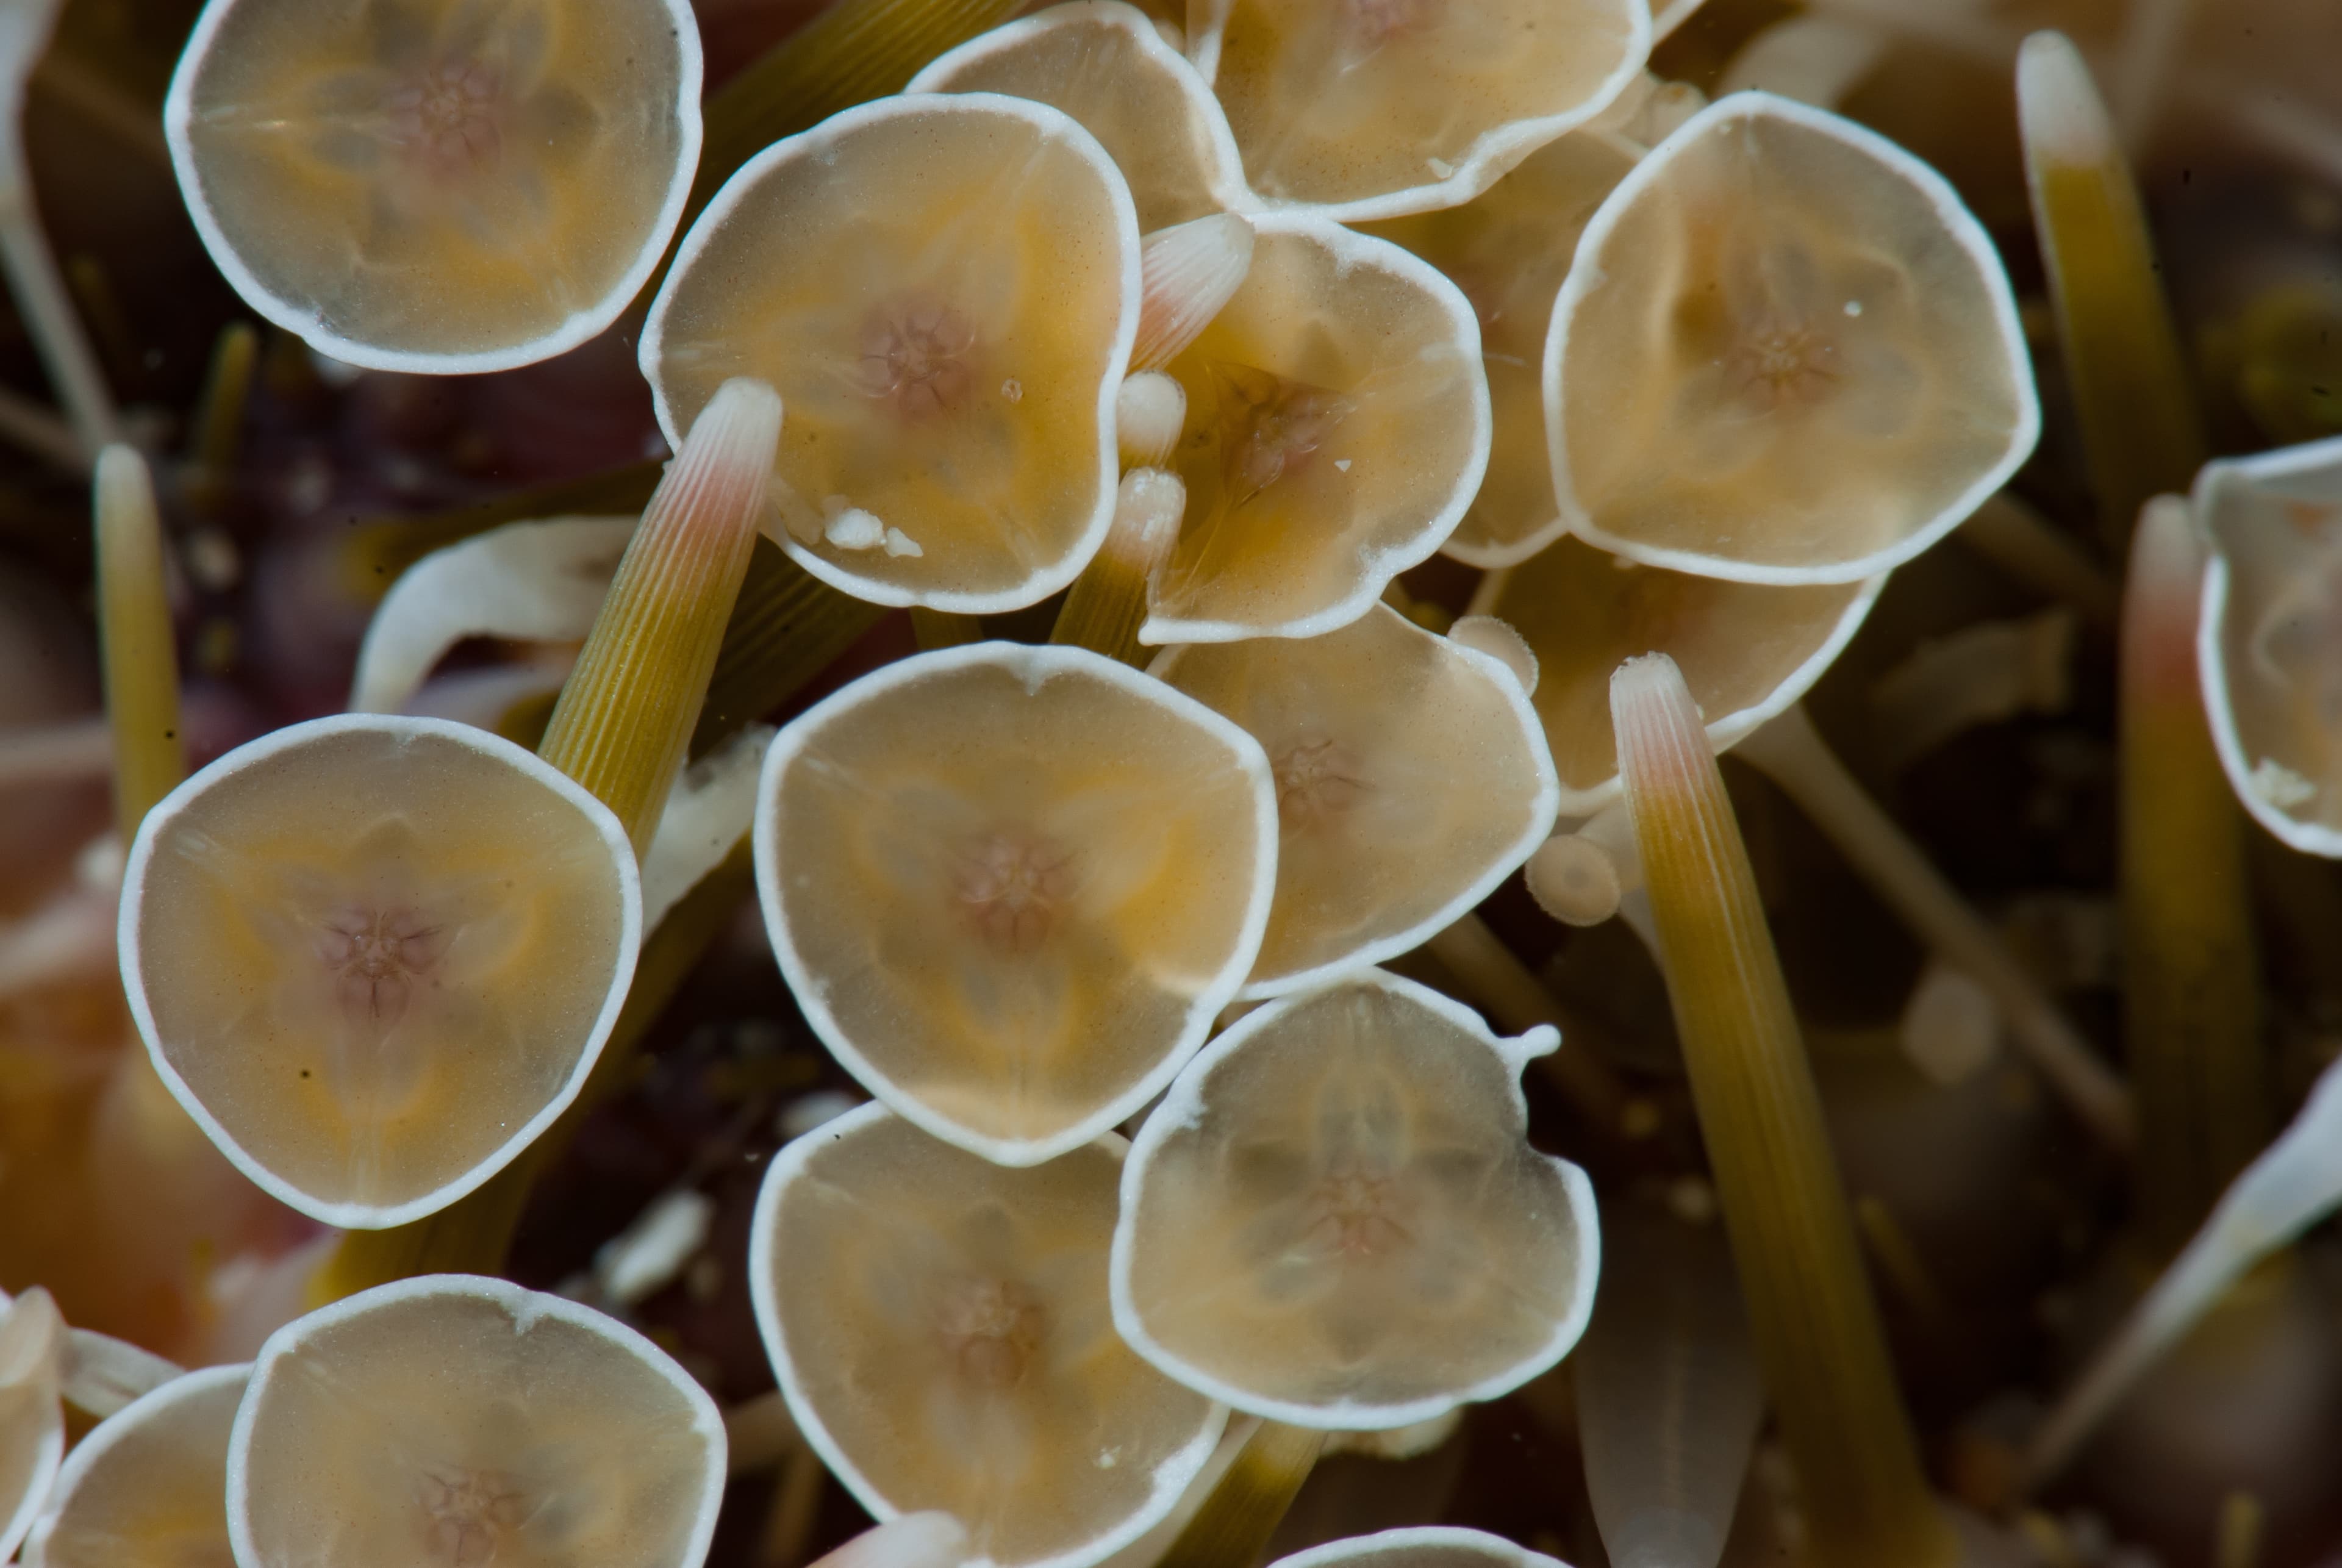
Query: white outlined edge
[
  {"x": 1377, "y": 564},
  {"x": 1054, "y": 125},
  {"x": 178, "y": 113},
  {"x": 1035, "y": 667},
  {"x": 1364, "y": 1549},
  {"x": 1171, "y": 1479},
  {"x": 523, "y": 1307},
  {"x": 1731, "y": 729},
  {"x": 1182, "y": 1108},
  {"x": 106, "y": 1433},
  {"x": 2211, "y": 621},
  {"x": 1223, "y": 172},
  {"x": 363, "y": 1216},
  {"x": 1545, "y": 809},
  {"x": 1492, "y": 154},
  {"x": 1586, "y": 273},
  {"x": 47, "y": 1464}
]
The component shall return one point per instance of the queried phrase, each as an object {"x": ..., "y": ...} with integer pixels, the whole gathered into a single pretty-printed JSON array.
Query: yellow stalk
[
  {"x": 626, "y": 714},
  {"x": 2140, "y": 430},
  {"x": 942, "y": 629},
  {"x": 1236, "y": 1519},
  {"x": 472, "y": 1235},
  {"x": 1811, "y": 1316},
  {"x": 855, "y": 51},
  {"x": 2191, "y": 971},
  {"x": 219, "y": 412},
  {"x": 1107, "y": 604},
  {"x": 787, "y": 626},
  {"x": 142, "y": 663}
]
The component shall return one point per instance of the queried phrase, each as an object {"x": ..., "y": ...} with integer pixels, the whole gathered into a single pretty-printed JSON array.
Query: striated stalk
[
  {"x": 787, "y": 626},
  {"x": 627, "y": 714},
  {"x": 1791, "y": 752},
  {"x": 1668, "y": 1396},
  {"x": 1236, "y": 1519},
  {"x": 142, "y": 663},
  {"x": 2191, "y": 969},
  {"x": 2140, "y": 430},
  {"x": 855, "y": 51},
  {"x": 1107, "y": 603},
  {"x": 1810, "y": 1313}
]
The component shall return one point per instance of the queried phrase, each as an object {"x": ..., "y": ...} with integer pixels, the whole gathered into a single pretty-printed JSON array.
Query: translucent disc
[
  {"x": 31, "y": 1425},
  {"x": 2272, "y": 636},
  {"x": 1338, "y": 425},
  {"x": 1011, "y": 887},
  {"x": 940, "y": 1327},
  {"x": 1508, "y": 250},
  {"x": 448, "y": 1422},
  {"x": 943, "y": 289},
  {"x": 1786, "y": 354},
  {"x": 1428, "y": 1547},
  {"x": 1103, "y": 64},
  {"x": 1747, "y": 650},
  {"x": 437, "y": 185},
  {"x": 1334, "y": 1218},
  {"x": 144, "y": 1490},
  {"x": 374, "y": 956},
  {"x": 1411, "y": 778},
  {"x": 1375, "y": 107}
]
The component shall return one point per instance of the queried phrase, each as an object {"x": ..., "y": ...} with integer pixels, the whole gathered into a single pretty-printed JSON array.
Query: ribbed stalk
[
  {"x": 135, "y": 634},
  {"x": 2191, "y": 969},
  {"x": 2140, "y": 431},
  {"x": 1237, "y": 1520},
  {"x": 855, "y": 51},
  {"x": 1811, "y": 1316},
  {"x": 787, "y": 626},
  {"x": 1107, "y": 604},
  {"x": 1793, "y": 755},
  {"x": 628, "y": 709}
]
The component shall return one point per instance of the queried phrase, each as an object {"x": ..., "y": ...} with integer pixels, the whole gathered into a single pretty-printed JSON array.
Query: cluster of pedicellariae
[{"x": 1219, "y": 332}]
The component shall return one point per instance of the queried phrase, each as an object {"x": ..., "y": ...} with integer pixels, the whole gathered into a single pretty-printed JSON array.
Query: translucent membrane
[
  {"x": 1371, "y": 108},
  {"x": 1334, "y": 1218},
  {"x": 2271, "y": 627},
  {"x": 1012, "y": 886},
  {"x": 943, "y": 289},
  {"x": 2297, "y": 1183},
  {"x": 1338, "y": 426},
  {"x": 940, "y": 1327},
  {"x": 31, "y": 1424},
  {"x": 437, "y": 185},
  {"x": 1668, "y": 1393},
  {"x": 1411, "y": 778},
  {"x": 1747, "y": 651},
  {"x": 1786, "y": 355},
  {"x": 542, "y": 580},
  {"x": 374, "y": 956},
  {"x": 145, "y": 1489},
  {"x": 457, "y": 1421},
  {"x": 1424, "y": 1546},
  {"x": 1105, "y": 64},
  {"x": 1509, "y": 249}
]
